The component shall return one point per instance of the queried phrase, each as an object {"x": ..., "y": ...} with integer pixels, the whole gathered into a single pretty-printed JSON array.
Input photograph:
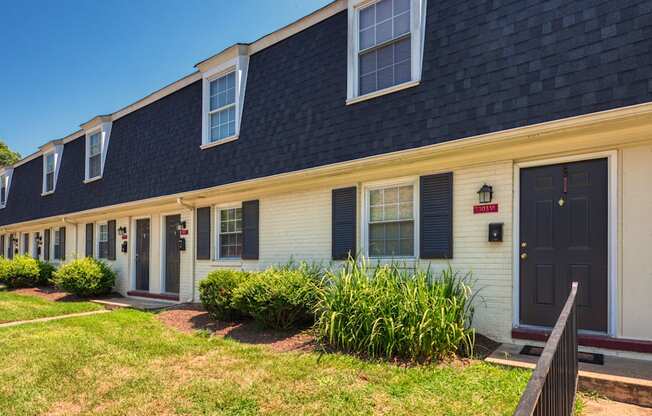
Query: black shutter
[
  {"x": 250, "y": 215},
  {"x": 343, "y": 223},
  {"x": 89, "y": 240},
  {"x": 12, "y": 244},
  {"x": 436, "y": 223},
  {"x": 204, "y": 233},
  {"x": 62, "y": 243},
  {"x": 46, "y": 245},
  {"x": 26, "y": 244},
  {"x": 3, "y": 253},
  {"x": 111, "y": 242}
]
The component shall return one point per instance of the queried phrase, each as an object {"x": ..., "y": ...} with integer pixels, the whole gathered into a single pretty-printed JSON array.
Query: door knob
[
  {"x": 523, "y": 256},
  {"x": 523, "y": 244}
]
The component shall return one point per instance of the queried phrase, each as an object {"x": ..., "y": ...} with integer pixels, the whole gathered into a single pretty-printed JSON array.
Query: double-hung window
[
  {"x": 222, "y": 107},
  {"x": 49, "y": 172},
  {"x": 384, "y": 40},
  {"x": 95, "y": 155},
  {"x": 4, "y": 182},
  {"x": 230, "y": 233},
  {"x": 103, "y": 241},
  {"x": 391, "y": 221},
  {"x": 57, "y": 244}
]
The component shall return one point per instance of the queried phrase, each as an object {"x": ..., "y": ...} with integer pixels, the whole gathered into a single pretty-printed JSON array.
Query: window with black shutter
[
  {"x": 436, "y": 220},
  {"x": 46, "y": 245},
  {"x": 204, "y": 233},
  {"x": 111, "y": 255},
  {"x": 90, "y": 240},
  {"x": 250, "y": 232},
  {"x": 343, "y": 223}
]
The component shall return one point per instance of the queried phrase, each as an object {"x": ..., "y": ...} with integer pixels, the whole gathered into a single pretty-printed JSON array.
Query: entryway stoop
[{"x": 620, "y": 379}]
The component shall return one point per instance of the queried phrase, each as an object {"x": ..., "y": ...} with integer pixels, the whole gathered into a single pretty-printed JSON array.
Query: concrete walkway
[
  {"x": 53, "y": 318},
  {"x": 621, "y": 379},
  {"x": 141, "y": 304}
]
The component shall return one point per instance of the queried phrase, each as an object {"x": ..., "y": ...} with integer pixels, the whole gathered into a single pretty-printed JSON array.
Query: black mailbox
[
  {"x": 182, "y": 244},
  {"x": 496, "y": 232},
  {"x": 124, "y": 246}
]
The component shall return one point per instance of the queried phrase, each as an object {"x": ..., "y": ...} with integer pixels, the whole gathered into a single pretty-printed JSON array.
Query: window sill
[
  {"x": 219, "y": 142},
  {"x": 382, "y": 92},
  {"x": 47, "y": 193},
  {"x": 97, "y": 178},
  {"x": 227, "y": 263}
]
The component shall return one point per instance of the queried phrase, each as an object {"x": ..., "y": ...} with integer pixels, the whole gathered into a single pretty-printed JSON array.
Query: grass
[
  {"x": 16, "y": 307},
  {"x": 127, "y": 362}
]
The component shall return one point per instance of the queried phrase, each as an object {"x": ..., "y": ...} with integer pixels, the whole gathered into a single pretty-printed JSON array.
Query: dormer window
[
  {"x": 222, "y": 107},
  {"x": 385, "y": 46},
  {"x": 224, "y": 83},
  {"x": 49, "y": 172},
  {"x": 5, "y": 184},
  {"x": 52, "y": 156},
  {"x": 95, "y": 155},
  {"x": 98, "y": 133}
]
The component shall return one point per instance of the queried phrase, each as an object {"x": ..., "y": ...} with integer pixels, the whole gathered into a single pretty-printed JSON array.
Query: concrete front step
[{"x": 621, "y": 379}]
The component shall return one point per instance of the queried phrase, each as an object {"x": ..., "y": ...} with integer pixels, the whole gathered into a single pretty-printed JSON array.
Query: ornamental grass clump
[{"x": 390, "y": 312}]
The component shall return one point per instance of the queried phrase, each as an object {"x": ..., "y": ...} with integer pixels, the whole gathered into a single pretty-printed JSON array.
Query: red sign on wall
[
  {"x": 485, "y": 209},
  {"x": 183, "y": 232}
]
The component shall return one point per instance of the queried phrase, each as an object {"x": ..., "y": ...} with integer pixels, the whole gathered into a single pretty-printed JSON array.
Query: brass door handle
[{"x": 523, "y": 256}]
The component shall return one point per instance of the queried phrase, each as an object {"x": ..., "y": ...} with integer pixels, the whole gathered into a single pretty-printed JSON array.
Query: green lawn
[
  {"x": 16, "y": 307},
  {"x": 127, "y": 362}
]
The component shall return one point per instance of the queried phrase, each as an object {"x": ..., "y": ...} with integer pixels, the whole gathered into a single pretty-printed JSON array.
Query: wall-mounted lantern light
[
  {"x": 181, "y": 226},
  {"x": 122, "y": 231},
  {"x": 485, "y": 194}
]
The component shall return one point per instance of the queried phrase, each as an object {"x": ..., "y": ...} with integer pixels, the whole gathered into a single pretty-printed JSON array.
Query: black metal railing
[{"x": 552, "y": 388}]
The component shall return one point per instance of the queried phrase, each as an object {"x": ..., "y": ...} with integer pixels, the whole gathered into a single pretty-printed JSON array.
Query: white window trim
[
  {"x": 239, "y": 65},
  {"x": 417, "y": 35},
  {"x": 217, "y": 236},
  {"x": 57, "y": 151},
  {"x": 8, "y": 173},
  {"x": 364, "y": 215},
  {"x": 97, "y": 240},
  {"x": 104, "y": 129}
]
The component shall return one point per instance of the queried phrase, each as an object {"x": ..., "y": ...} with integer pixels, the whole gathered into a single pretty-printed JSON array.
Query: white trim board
[{"x": 612, "y": 231}]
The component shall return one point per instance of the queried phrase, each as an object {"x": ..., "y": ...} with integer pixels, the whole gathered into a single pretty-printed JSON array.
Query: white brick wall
[{"x": 298, "y": 225}]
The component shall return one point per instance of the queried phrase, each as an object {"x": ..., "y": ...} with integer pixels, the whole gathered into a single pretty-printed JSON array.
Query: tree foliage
[{"x": 7, "y": 156}]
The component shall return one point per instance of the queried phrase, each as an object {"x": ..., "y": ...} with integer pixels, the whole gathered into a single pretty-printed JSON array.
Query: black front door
[
  {"x": 142, "y": 254},
  {"x": 172, "y": 254},
  {"x": 563, "y": 232}
]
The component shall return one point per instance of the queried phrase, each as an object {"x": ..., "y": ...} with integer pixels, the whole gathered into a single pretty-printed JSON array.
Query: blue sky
[{"x": 63, "y": 62}]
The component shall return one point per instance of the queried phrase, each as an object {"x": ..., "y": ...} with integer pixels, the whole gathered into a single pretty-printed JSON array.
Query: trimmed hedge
[
  {"x": 216, "y": 293},
  {"x": 22, "y": 271},
  {"x": 278, "y": 298},
  {"x": 85, "y": 277}
]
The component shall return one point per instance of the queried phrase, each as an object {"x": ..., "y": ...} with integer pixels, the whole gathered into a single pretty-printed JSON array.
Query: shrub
[
  {"x": 85, "y": 277},
  {"x": 22, "y": 271},
  {"x": 216, "y": 293},
  {"x": 389, "y": 312},
  {"x": 46, "y": 273},
  {"x": 279, "y": 298}
]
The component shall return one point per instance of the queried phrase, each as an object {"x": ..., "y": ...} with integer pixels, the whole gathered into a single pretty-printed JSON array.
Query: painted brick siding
[
  {"x": 298, "y": 225},
  {"x": 488, "y": 66}
]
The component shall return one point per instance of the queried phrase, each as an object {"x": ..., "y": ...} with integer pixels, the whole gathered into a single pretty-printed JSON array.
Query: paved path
[
  {"x": 602, "y": 407},
  {"x": 53, "y": 318}
]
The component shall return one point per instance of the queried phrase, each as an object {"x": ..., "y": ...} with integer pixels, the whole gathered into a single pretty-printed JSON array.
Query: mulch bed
[
  {"x": 48, "y": 293},
  {"x": 190, "y": 318}
]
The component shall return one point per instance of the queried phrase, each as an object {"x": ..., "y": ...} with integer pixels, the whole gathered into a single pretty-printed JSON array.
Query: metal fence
[{"x": 552, "y": 388}]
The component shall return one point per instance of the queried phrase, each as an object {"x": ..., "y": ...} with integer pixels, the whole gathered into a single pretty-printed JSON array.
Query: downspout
[{"x": 181, "y": 202}]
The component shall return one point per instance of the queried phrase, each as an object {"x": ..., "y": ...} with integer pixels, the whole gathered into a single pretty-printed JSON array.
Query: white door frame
[
  {"x": 132, "y": 250},
  {"x": 612, "y": 231}
]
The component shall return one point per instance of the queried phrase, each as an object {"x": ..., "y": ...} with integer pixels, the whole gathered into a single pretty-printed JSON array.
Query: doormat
[{"x": 583, "y": 357}]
